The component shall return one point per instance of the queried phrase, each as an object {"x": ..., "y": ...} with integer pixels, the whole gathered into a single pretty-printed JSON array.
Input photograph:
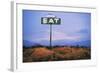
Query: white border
[{"x": 17, "y": 63}]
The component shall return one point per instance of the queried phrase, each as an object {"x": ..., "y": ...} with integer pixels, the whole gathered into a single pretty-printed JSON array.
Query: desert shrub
[{"x": 55, "y": 54}]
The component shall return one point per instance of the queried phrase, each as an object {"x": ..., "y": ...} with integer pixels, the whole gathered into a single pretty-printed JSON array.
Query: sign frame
[{"x": 55, "y": 22}]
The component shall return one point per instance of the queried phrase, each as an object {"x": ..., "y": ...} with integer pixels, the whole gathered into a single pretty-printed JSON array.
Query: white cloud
[
  {"x": 63, "y": 36},
  {"x": 58, "y": 35}
]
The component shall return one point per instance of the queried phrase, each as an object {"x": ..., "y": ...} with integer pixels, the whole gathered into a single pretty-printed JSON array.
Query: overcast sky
[{"x": 74, "y": 26}]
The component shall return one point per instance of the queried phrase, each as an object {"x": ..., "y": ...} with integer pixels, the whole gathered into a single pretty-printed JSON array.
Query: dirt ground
[{"x": 39, "y": 54}]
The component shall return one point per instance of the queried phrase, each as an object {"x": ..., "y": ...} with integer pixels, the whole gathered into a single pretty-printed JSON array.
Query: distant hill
[
  {"x": 29, "y": 43},
  {"x": 86, "y": 43},
  {"x": 72, "y": 43}
]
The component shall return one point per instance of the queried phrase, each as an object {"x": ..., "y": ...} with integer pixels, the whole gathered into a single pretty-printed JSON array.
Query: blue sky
[{"x": 74, "y": 26}]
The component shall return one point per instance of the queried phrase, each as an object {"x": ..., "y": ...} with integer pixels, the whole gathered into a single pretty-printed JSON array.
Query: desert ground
[{"x": 40, "y": 54}]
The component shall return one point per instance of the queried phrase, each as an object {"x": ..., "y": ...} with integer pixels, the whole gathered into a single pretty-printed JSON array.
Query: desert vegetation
[{"x": 57, "y": 53}]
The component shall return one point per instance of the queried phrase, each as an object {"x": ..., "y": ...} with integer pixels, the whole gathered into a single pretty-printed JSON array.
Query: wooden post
[{"x": 50, "y": 36}]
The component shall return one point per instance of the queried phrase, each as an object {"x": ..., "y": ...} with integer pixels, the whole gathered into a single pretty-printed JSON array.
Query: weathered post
[{"x": 51, "y": 20}]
